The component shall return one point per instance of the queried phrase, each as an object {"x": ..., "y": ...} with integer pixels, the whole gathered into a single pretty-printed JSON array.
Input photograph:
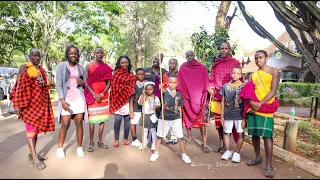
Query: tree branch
[{"x": 312, "y": 8}]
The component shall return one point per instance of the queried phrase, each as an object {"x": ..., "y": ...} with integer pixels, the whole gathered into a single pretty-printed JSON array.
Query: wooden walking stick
[
  {"x": 162, "y": 115},
  {"x": 209, "y": 112},
  {"x": 143, "y": 114}
]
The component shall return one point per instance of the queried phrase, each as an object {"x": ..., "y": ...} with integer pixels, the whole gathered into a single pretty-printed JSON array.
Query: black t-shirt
[
  {"x": 171, "y": 104},
  {"x": 136, "y": 106}
]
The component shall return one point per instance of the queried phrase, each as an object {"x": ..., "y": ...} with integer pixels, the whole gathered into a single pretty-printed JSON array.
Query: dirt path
[{"x": 124, "y": 161}]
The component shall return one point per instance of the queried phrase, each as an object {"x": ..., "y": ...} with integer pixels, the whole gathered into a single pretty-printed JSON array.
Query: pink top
[{"x": 73, "y": 92}]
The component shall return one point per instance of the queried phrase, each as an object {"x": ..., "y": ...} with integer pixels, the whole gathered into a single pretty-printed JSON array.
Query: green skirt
[{"x": 260, "y": 125}]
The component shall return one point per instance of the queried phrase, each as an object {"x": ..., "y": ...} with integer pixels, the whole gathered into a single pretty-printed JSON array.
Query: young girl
[{"x": 150, "y": 104}]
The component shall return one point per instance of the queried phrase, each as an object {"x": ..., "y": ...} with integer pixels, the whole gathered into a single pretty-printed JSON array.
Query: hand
[
  {"x": 97, "y": 97},
  {"x": 160, "y": 86},
  {"x": 18, "y": 111},
  {"x": 80, "y": 82},
  {"x": 255, "y": 105},
  {"x": 222, "y": 121},
  {"x": 243, "y": 124},
  {"x": 143, "y": 92},
  {"x": 65, "y": 105},
  {"x": 211, "y": 90},
  {"x": 131, "y": 115}
]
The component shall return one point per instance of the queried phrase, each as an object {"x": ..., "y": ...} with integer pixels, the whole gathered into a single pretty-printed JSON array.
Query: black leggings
[{"x": 117, "y": 125}]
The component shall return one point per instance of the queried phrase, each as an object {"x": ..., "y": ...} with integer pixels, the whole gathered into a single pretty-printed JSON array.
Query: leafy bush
[
  {"x": 290, "y": 89},
  {"x": 207, "y": 47}
]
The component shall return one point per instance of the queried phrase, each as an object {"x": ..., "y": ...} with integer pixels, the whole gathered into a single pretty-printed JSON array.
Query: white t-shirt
[
  {"x": 124, "y": 110},
  {"x": 149, "y": 105}
]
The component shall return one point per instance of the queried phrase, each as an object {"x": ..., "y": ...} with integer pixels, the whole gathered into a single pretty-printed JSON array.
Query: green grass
[
  {"x": 315, "y": 136},
  {"x": 53, "y": 94},
  {"x": 305, "y": 126}
]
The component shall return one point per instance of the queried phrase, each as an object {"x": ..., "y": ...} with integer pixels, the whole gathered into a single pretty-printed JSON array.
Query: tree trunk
[
  {"x": 139, "y": 39},
  {"x": 290, "y": 136},
  {"x": 222, "y": 13}
]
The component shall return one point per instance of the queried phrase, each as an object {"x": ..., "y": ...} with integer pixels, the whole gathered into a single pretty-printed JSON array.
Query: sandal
[
  {"x": 39, "y": 157},
  {"x": 102, "y": 145},
  {"x": 219, "y": 148},
  {"x": 126, "y": 143},
  {"x": 39, "y": 165},
  {"x": 91, "y": 147},
  {"x": 116, "y": 144},
  {"x": 254, "y": 162},
  {"x": 205, "y": 149},
  {"x": 269, "y": 172}
]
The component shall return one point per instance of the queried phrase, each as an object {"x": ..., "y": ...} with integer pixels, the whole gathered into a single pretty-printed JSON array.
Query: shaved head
[
  {"x": 34, "y": 50},
  {"x": 190, "y": 56}
]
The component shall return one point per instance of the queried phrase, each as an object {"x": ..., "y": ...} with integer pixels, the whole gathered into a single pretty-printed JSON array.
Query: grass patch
[{"x": 305, "y": 126}]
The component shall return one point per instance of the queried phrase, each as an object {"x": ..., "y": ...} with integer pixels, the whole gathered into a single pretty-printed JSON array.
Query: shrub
[{"x": 290, "y": 89}]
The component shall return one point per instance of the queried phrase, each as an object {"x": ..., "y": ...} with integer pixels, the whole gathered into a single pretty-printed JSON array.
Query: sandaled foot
[
  {"x": 116, "y": 143},
  {"x": 269, "y": 172},
  {"x": 39, "y": 165},
  {"x": 102, "y": 145},
  {"x": 219, "y": 148},
  {"x": 254, "y": 162},
  {"x": 39, "y": 157},
  {"x": 91, "y": 147},
  {"x": 205, "y": 149}
]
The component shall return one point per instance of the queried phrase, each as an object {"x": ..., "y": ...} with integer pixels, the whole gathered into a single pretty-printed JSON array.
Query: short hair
[
  {"x": 237, "y": 67},
  {"x": 99, "y": 48},
  {"x": 34, "y": 49},
  {"x": 225, "y": 42},
  {"x": 263, "y": 51},
  {"x": 174, "y": 60},
  {"x": 172, "y": 75},
  {"x": 139, "y": 69}
]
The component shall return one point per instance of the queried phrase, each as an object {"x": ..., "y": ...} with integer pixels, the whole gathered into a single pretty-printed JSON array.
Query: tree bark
[
  {"x": 222, "y": 13},
  {"x": 139, "y": 44}
]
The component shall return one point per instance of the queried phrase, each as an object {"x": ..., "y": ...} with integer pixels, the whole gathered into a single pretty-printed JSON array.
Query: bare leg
[
  {"x": 189, "y": 135},
  {"x": 79, "y": 128},
  {"x": 240, "y": 142},
  {"x": 203, "y": 135},
  {"x": 32, "y": 145},
  {"x": 91, "y": 130},
  {"x": 220, "y": 132},
  {"x": 101, "y": 129},
  {"x": 158, "y": 142},
  {"x": 133, "y": 130},
  {"x": 182, "y": 145},
  {"x": 65, "y": 124},
  {"x": 226, "y": 141},
  {"x": 256, "y": 146},
  {"x": 268, "y": 146}
]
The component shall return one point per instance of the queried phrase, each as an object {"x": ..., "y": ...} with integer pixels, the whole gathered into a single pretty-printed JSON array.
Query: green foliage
[
  {"x": 207, "y": 47},
  {"x": 293, "y": 89}
]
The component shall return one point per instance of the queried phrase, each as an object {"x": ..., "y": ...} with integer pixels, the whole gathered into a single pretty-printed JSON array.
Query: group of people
[{"x": 159, "y": 101}]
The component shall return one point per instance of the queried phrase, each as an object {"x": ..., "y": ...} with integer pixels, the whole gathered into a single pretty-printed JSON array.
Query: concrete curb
[{"x": 307, "y": 165}]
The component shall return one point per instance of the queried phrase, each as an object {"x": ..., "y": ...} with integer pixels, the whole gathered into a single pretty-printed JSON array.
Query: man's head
[
  {"x": 99, "y": 53},
  {"x": 35, "y": 56},
  {"x": 261, "y": 58},
  {"x": 9, "y": 71},
  {"x": 236, "y": 73},
  {"x": 172, "y": 81},
  {"x": 225, "y": 49},
  {"x": 190, "y": 56},
  {"x": 155, "y": 60},
  {"x": 173, "y": 64},
  {"x": 140, "y": 73}
]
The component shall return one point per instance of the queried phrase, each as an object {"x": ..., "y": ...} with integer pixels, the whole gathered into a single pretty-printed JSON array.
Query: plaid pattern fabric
[
  {"x": 122, "y": 87},
  {"x": 221, "y": 74},
  {"x": 34, "y": 102}
]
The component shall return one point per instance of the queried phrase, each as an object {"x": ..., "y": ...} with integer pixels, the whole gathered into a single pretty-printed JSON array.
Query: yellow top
[
  {"x": 262, "y": 80},
  {"x": 32, "y": 71}
]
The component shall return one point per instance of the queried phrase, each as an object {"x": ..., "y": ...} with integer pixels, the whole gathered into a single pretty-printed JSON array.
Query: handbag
[{"x": 153, "y": 118}]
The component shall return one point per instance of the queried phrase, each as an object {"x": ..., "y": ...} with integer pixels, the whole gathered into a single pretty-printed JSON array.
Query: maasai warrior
[
  {"x": 193, "y": 81},
  {"x": 70, "y": 84},
  {"x": 30, "y": 95},
  {"x": 260, "y": 123},
  {"x": 220, "y": 75},
  {"x": 173, "y": 69},
  {"x": 121, "y": 98},
  {"x": 99, "y": 76}
]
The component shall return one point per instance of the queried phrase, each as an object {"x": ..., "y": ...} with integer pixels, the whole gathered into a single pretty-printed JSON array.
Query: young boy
[
  {"x": 231, "y": 114},
  {"x": 172, "y": 118},
  {"x": 137, "y": 109}
]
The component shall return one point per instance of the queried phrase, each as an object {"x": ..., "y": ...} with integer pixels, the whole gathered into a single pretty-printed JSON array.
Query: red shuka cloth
[
  {"x": 221, "y": 74},
  {"x": 247, "y": 93},
  {"x": 193, "y": 81},
  {"x": 102, "y": 73},
  {"x": 34, "y": 102},
  {"x": 122, "y": 87}
]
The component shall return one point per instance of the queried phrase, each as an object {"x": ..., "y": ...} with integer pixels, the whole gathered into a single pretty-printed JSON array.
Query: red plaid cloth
[
  {"x": 102, "y": 73},
  {"x": 122, "y": 87},
  {"x": 34, "y": 102},
  {"x": 221, "y": 74},
  {"x": 247, "y": 93}
]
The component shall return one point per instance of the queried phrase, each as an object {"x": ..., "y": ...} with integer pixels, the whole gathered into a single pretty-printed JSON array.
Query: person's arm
[
  {"x": 162, "y": 89},
  {"x": 222, "y": 112},
  {"x": 142, "y": 97},
  {"x": 108, "y": 83},
  {"x": 59, "y": 85},
  {"x": 157, "y": 103},
  {"x": 87, "y": 85}
]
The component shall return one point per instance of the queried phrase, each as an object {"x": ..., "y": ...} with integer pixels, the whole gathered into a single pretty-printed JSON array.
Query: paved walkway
[{"x": 124, "y": 161}]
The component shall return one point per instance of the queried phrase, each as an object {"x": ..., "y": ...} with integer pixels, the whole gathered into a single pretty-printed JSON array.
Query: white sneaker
[
  {"x": 236, "y": 157},
  {"x": 80, "y": 152},
  {"x": 153, "y": 147},
  {"x": 60, "y": 153},
  {"x": 227, "y": 155},
  {"x": 186, "y": 159},
  {"x": 154, "y": 157},
  {"x": 136, "y": 143},
  {"x": 145, "y": 146}
]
